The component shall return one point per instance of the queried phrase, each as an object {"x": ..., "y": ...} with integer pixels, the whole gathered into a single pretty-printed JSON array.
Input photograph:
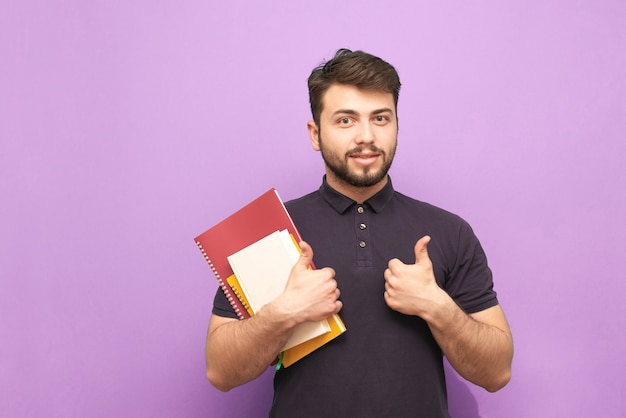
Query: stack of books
[{"x": 251, "y": 254}]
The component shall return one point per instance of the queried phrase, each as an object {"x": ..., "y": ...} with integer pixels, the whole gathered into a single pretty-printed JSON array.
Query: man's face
[{"x": 357, "y": 135}]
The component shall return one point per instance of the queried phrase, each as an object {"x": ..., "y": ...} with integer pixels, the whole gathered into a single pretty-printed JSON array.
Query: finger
[
  {"x": 394, "y": 263},
  {"x": 338, "y": 306},
  {"x": 306, "y": 256},
  {"x": 388, "y": 275},
  {"x": 421, "y": 249}
]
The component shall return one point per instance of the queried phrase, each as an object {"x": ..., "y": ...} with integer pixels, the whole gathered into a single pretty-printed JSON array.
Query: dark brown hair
[{"x": 354, "y": 68}]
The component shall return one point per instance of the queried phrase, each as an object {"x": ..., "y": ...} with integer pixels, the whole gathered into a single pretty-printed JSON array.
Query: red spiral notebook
[
  {"x": 248, "y": 225},
  {"x": 256, "y": 220}
]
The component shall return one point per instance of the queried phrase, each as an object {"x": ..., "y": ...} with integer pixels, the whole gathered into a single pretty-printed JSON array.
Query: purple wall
[{"x": 128, "y": 127}]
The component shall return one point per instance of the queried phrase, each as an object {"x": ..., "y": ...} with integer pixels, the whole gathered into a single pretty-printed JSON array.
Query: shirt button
[
  {"x": 360, "y": 209},
  {"x": 362, "y": 244},
  {"x": 362, "y": 226}
]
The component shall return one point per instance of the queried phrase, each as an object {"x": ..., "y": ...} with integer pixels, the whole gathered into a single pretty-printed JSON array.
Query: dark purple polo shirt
[{"x": 387, "y": 364}]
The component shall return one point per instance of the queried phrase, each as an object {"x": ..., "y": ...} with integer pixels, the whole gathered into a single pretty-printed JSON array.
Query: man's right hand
[{"x": 310, "y": 295}]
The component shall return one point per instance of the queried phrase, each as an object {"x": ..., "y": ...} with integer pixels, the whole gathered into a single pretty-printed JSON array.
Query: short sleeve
[
  {"x": 470, "y": 281},
  {"x": 221, "y": 305}
]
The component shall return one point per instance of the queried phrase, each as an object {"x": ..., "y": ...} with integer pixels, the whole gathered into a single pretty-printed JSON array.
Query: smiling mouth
[
  {"x": 365, "y": 159},
  {"x": 365, "y": 152}
]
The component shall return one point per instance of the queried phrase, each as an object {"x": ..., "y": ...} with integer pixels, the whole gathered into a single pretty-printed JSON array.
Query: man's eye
[{"x": 345, "y": 121}]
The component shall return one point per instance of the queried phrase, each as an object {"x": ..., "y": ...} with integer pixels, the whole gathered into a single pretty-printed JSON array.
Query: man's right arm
[{"x": 238, "y": 351}]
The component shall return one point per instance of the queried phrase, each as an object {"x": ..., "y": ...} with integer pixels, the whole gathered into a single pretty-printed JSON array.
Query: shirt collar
[{"x": 341, "y": 203}]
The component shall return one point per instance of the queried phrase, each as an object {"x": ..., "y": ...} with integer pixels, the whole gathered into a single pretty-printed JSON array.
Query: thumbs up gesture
[
  {"x": 310, "y": 295},
  {"x": 411, "y": 288}
]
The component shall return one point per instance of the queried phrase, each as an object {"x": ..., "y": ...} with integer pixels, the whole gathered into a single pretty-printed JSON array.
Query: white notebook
[{"x": 262, "y": 270}]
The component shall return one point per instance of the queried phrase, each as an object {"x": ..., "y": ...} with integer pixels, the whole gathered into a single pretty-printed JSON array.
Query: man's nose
[{"x": 366, "y": 134}]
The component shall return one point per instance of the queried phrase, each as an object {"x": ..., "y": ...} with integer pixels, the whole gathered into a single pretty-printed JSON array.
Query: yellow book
[{"x": 234, "y": 284}]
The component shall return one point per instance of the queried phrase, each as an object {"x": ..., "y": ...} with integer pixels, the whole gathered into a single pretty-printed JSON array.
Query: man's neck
[{"x": 356, "y": 193}]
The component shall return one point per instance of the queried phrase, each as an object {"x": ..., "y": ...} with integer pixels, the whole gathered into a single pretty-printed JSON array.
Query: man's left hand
[{"x": 411, "y": 288}]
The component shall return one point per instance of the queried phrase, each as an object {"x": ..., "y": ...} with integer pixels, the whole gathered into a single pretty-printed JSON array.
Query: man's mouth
[{"x": 365, "y": 158}]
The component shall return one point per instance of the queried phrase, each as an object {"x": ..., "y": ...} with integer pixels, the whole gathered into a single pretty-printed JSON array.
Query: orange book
[{"x": 294, "y": 354}]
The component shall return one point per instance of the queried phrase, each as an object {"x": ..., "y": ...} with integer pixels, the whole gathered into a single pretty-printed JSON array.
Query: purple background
[{"x": 128, "y": 127}]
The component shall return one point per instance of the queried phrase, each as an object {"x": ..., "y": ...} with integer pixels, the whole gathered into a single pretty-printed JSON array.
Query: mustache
[{"x": 368, "y": 149}]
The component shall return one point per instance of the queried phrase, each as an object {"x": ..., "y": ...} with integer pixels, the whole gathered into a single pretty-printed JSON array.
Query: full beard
[{"x": 367, "y": 177}]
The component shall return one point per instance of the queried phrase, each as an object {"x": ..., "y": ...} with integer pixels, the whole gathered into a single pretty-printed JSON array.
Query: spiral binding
[
  {"x": 239, "y": 293},
  {"x": 224, "y": 286}
]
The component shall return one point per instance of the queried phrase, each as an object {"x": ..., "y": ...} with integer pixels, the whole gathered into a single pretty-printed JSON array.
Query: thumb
[
  {"x": 421, "y": 249},
  {"x": 306, "y": 256}
]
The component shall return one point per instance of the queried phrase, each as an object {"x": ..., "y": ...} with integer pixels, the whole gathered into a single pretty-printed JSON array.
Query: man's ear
[{"x": 313, "y": 135}]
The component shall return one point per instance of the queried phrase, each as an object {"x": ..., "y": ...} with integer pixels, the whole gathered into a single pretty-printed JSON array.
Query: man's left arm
[{"x": 479, "y": 346}]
